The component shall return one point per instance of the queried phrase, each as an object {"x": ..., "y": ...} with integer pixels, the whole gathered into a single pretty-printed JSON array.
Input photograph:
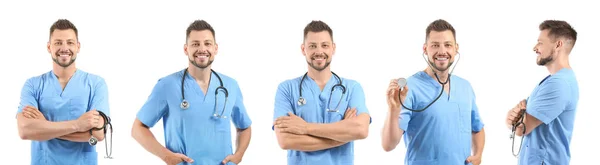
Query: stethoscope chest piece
[
  {"x": 301, "y": 101},
  {"x": 184, "y": 104},
  {"x": 93, "y": 141}
]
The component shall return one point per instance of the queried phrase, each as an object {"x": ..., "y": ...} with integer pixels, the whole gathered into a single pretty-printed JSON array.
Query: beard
[
  {"x": 201, "y": 66},
  {"x": 316, "y": 66},
  {"x": 63, "y": 64},
  {"x": 545, "y": 60}
]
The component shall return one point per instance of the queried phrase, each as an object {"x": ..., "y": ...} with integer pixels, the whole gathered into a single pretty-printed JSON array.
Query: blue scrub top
[
  {"x": 554, "y": 102},
  {"x": 440, "y": 135},
  {"x": 83, "y": 92},
  {"x": 314, "y": 111},
  {"x": 195, "y": 132}
]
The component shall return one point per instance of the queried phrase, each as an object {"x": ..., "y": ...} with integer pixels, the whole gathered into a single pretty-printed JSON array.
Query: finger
[
  {"x": 225, "y": 160},
  {"x": 291, "y": 114},
  {"x": 185, "y": 158},
  {"x": 469, "y": 159}
]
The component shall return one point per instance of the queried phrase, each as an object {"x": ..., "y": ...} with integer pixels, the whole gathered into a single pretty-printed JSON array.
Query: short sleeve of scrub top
[
  {"x": 283, "y": 104},
  {"x": 550, "y": 101},
  {"x": 155, "y": 107},
  {"x": 28, "y": 95},
  {"x": 239, "y": 116}
]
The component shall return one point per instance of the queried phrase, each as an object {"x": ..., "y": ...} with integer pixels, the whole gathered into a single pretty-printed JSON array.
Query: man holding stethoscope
[
  {"x": 197, "y": 106},
  {"x": 438, "y": 116},
  {"x": 319, "y": 114}
]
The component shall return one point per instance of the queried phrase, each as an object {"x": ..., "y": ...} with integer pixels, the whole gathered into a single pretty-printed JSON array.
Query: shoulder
[
  {"x": 227, "y": 80},
  {"x": 351, "y": 83},
  {"x": 173, "y": 78},
  {"x": 462, "y": 81},
  {"x": 35, "y": 82},
  {"x": 289, "y": 83},
  {"x": 91, "y": 78}
]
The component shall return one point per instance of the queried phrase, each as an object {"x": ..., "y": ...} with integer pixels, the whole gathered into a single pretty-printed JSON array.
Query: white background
[{"x": 133, "y": 44}]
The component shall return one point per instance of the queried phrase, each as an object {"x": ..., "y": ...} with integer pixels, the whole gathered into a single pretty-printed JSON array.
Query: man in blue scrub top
[
  {"x": 445, "y": 132},
  {"x": 551, "y": 107},
  {"x": 196, "y": 130},
  {"x": 60, "y": 107},
  {"x": 318, "y": 125}
]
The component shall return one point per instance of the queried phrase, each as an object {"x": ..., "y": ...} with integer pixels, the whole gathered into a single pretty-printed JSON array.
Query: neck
[
  {"x": 562, "y": 61},
  {"x": 442, "y": 75},
  {"x": 63, "y": 73},
  {"x": 321, "y": 77},
  {"x": 201, "y": 75}
]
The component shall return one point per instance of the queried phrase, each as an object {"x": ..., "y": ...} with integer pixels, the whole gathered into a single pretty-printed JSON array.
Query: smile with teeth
[
  {"x": 202, "y": 56},
  {"x": 441, "y": 58}
]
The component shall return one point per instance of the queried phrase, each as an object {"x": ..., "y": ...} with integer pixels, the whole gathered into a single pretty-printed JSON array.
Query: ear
[
  {"x": 333, "y": 47},
  {"x": 216, "y": 49},
  {"x": 302, "y": 49},
  {"x": 425, "y": 48},
  {"x": 559, "y": 44},
  {"x": 48, "y": 47},
  {"x": 457, "y": 47},
  {"x": 78, "y": 47},
  {"x": 185, "y": 50}
]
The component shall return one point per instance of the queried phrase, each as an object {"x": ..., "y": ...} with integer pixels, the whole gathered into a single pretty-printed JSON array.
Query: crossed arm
[
  {"x": 32, "y": 125},
  {"x": 293, "y": 133}
]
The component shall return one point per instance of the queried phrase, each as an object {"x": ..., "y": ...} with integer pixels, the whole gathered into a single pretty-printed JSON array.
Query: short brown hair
[
  {"x": 439, "y": 25},
  {"x": 316, "y": 26},
  {"x": 559, "y": 29},
  {"x": 63, "y": 24},
  {"x": 199, "y": 25}
]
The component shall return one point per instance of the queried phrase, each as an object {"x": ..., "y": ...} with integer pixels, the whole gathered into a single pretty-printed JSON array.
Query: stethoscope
[
  {"x": 402, "y": 82},
  {"x": 93, "y": 140},
  {"x": 302, "y": 101},
  {"x": 185, "y": 104},
  {"x": 517, "y": 124}
]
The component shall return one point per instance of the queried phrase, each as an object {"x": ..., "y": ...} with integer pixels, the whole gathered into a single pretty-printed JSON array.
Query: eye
[
  {"x": 58, "y": 43},
  {"x": 207, "y": 44},
  {"x": 435, "y": 45},
  {"x": 325, "y": 46},
  {"x": 448, "y": 45},
  {"x": 312, "y": 46},
  {"x": 195, "y": 44},
  {"x": 70, "y": 43}
]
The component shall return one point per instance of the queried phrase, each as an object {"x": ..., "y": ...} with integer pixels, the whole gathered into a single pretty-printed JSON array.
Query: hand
[
  {"x": 392, "y": 95},
  {"x": 33, "y": 113},
  {"x": 176, "y": 158},
  {"x": 514, "y": 114},
  {"x": 475, "y": 160},
  {"x": 88, "y": 121},
  {"x": 350, "y": 113},
  {"x": 291, "y": 124},
  {"x": 232, "y": 158}
]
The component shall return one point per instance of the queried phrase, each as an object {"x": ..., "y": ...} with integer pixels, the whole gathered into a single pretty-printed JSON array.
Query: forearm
[
  {"x": 391, "y": 133},
  {"x": 307, "y": 143},
  {"x": 343, "y": 131},
  {"x": 42, "y": 130},
  {"x": 478, "y": 142},
  {"x": 243, "y": 140},
  {"x": 147, "y": 140},
  {"x": 83, "y": 136}
]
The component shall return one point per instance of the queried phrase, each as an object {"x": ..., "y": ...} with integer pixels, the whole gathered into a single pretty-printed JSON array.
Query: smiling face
[
  {"x": 63, "y": 47},
  {"x": 318, "y": 49},
  {"x": 545, "y": 49},
  {"x": 201, "y": 48},
  {"x": 441, "y": 48}
]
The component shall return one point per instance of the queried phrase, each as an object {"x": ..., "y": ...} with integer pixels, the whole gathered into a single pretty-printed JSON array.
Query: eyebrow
[
  {"x": 326, "y": 42},
  {"x": 446, "y": 42}
]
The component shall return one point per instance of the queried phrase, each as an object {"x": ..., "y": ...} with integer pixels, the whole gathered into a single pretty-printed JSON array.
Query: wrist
[
  {"x": 310, "y": 128},
  {"x": 74, "y": 126},
  {"x": 164, "y": 154}
]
